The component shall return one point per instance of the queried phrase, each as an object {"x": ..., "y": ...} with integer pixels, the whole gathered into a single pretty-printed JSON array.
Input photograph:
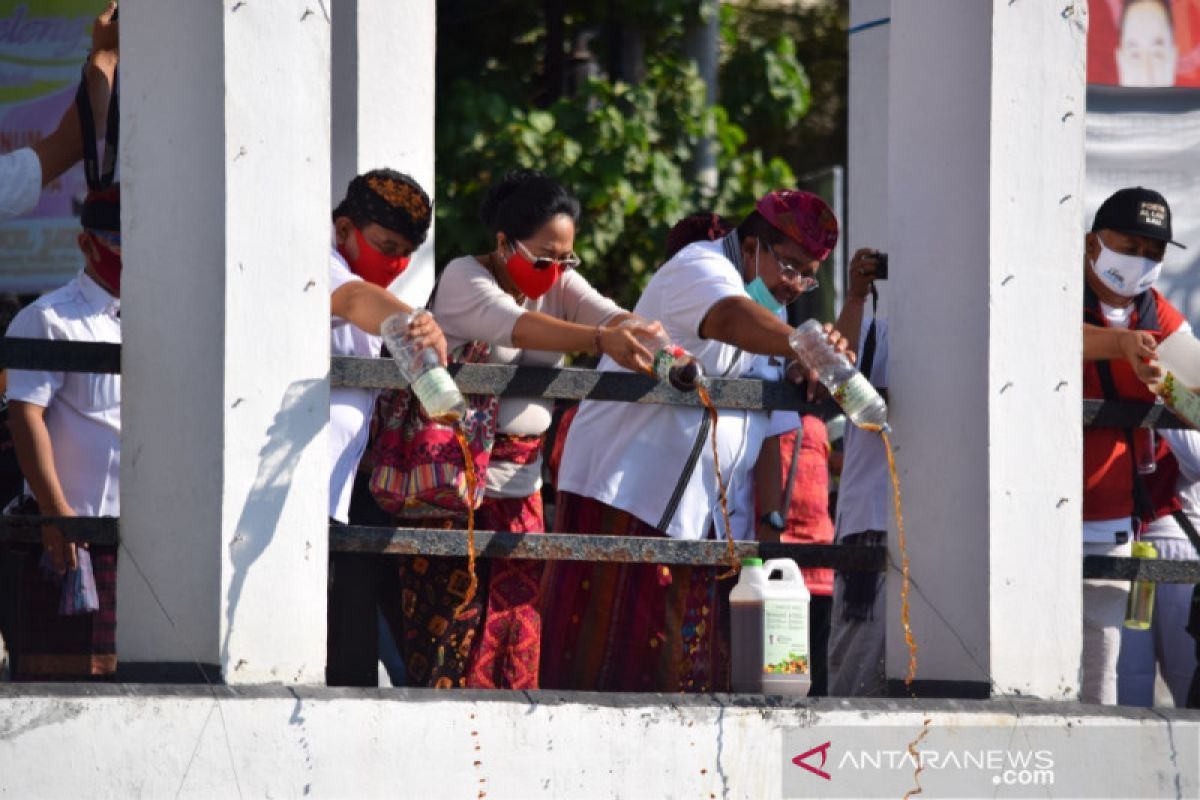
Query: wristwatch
[{"x": 773, "y": 519}]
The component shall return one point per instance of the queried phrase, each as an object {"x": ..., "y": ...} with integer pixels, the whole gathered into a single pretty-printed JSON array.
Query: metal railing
[{"x": 572, "y": 384}]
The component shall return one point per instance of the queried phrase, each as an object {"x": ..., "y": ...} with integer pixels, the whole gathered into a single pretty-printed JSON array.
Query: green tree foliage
[{"x": 624, "y": 148}]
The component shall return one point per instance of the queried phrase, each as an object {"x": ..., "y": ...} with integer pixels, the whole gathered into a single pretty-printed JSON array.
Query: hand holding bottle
[{"x": 627, "y": 343}]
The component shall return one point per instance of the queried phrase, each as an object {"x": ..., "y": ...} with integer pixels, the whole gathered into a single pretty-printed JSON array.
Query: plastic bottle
[
  {"x": 1139, "y": 611},
  {"x": 672, "y": 363},
  {"x": 849, "y": 387},
  {"x": 419, "y": 365},
  {"x": 769, "y": 625},
  {"x": 1179, "y": 354}
]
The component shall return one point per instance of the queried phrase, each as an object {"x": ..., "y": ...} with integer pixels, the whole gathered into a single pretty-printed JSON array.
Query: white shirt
[
  {"x": 743, "y": 519},
  {"x": 1185, "y": 445},
  {"x": 20, "y": 182},
  {"x": 470, "y": 305},
  {"x": 83, "y": 410},
  {"x": 631, "y": 455},
  {"x": 865, "y": 488},
  {"x": 350, "y": 407}
]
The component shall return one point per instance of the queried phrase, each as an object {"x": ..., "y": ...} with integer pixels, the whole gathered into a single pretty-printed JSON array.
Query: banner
[
  {"x": 1144, "y": 42},
  {"x": 42, "y": 48},
  {"x": 1151, "y": 138}
]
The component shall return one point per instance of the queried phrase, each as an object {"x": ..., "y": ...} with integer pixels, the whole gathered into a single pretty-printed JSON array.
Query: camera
[{"x": 881, "y": 266}]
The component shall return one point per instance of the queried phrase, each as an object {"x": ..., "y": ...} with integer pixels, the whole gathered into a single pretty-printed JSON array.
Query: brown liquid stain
[
  {"x": 912, "y": 751},
  {"x": 460, "y": 435},
  {"x": 734, "y": 564}
]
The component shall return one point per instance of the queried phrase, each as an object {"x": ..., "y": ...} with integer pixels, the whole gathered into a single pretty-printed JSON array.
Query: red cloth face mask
[
  {"x": 103, "y": 259},
  {"x": 373, "y": 266},
  {"x": 530, "y": 280}
]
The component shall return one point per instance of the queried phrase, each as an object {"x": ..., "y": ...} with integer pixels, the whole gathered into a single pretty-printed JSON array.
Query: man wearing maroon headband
[
  {"x": 380, "y": 223},
  {"x": 648, "y": 470}
]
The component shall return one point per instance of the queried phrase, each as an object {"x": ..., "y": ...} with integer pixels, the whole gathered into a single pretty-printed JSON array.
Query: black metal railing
[{"x": 573, "y": 384}]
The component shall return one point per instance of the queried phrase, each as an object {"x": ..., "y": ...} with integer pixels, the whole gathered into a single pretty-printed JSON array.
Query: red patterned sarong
[
  {"x": 495, "y": 642},
  {"x": 630, "y": 627}
]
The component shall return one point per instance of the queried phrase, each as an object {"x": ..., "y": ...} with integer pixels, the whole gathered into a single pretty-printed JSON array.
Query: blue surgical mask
[{"x": 758, "y": 290}]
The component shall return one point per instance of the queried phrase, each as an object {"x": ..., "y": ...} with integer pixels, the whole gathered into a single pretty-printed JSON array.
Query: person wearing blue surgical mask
[{"x": 1124, "y": 320}]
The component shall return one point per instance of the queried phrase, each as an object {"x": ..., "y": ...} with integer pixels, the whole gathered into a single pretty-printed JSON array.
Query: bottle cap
[
  {"x": 1144, "y": 550},
  {"x": 752, "y": 562}
]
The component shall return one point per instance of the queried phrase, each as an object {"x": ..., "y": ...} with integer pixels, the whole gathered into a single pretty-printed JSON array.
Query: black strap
[
  {"x": 868, "y": 352},
  {"x": 99, "y": 175},
  {"x": 1188, "y": 528},
  {"x": 1147, "y": 319},
  {"x": 689, "y": 466}
]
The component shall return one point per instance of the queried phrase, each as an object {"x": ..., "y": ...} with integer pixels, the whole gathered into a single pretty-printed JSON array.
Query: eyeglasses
[
  {"x": 805, "y": 283},
  {"x": 571, "y": 261}
]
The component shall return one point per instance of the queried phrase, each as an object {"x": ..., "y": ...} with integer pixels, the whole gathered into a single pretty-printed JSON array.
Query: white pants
[
  {"x": 1167, "y": 644},
  {"x": 1103, "y": 615}
]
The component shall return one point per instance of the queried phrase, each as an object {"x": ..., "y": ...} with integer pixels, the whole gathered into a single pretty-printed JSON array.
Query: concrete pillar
[
  {"x": 225, "y": 209},
  {"x": 867, "y": 179},
  {"x": 985, "y": 177},
  {"x": 383, "y": 105}
]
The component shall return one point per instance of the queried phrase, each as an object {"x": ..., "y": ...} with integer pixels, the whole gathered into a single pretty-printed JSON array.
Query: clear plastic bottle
[
  {"x": 1140, "y": 610},
  {"x": 419, "y": 365},
  {"x": 672, "y": 363},
  {"x": 849, "y": 387}
]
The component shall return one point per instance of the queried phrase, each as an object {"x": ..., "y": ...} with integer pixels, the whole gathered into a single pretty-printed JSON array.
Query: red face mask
[
  {"x": 531, "y": 281},
  {"x": 103, "y": 259},
  {"x": 373, "y": 266}
]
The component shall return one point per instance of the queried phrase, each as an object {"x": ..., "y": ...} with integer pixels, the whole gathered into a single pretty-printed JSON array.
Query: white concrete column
[
  {"x": 383, "y": 105},
  {"x": 867, "y": 179},
  {"x": 225, "y": 209},
  {"x": 985, "y": 177}
]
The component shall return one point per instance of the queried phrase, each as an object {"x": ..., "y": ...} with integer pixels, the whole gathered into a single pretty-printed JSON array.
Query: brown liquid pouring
[
  {"x": 460, "y": 434},
  {"x": 734, "y": 564},
  {"x": 902, "y": 543},
  {"x": 905, "y": 613}
]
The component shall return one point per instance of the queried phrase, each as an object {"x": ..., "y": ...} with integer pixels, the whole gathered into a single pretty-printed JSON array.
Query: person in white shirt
[
  {"x": 66, "y": 430},
  {"x": 1166, "y": 646},
  {"x": 383, "y": 219},
  {"x": 648, "y": 470},
  {"x": 857, "y": 618}
]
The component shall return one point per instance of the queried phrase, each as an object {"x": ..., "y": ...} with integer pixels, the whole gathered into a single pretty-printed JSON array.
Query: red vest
[{"x": 1107, "y": 462}]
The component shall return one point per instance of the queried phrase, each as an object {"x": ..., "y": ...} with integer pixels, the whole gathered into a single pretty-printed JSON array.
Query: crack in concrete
[
  {"x": 1174, "y": 751},
  {"x": 721, "y": 749}
]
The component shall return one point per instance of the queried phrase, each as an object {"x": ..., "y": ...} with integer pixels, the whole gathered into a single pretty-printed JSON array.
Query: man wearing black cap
[
  {"x": 383, "y": 219},
  {"x": 1125, "y": 319}
]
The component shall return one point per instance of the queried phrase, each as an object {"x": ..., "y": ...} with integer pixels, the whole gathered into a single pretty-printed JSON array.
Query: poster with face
[
  {"x": 1144, "y": 42},
  {"x": 42, "y": 48}
]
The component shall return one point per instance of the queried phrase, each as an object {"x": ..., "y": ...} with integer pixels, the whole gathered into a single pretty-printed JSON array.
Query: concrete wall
[
  {"x": 132, "y": 741},
  {"x": 383, "y": 104},
  {"x": 225, "y": 467},
  {"x": 985, "y": 169},
  {"x": 867, "y": 170}
]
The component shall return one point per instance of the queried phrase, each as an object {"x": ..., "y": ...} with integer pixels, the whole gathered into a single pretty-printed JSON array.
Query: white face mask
[{"x": 1128, "y": 276}]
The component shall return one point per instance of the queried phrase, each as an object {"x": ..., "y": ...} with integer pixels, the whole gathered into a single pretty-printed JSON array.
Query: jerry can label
[{"x": 785, "y": 637}]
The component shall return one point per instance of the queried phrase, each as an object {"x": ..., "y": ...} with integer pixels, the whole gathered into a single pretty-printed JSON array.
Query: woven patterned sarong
[{"x": 630, "y": 627}]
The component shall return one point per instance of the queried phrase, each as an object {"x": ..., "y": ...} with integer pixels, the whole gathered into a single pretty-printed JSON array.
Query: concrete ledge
[{"x": 146, "y": 740}]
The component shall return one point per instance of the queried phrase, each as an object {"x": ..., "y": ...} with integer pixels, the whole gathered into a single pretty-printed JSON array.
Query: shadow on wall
[{"x": 296, "y": 424}]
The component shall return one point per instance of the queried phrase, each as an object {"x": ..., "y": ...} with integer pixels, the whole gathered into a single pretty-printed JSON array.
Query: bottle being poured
[
  {"x": 849, "y": 387},
  {"x": 421, "y": 368},
  {"x": 672, "y": 363}
]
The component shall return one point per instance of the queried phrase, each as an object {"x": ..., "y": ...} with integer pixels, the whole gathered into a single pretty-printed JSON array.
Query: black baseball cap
[{"x": 1137, "y": 212}]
